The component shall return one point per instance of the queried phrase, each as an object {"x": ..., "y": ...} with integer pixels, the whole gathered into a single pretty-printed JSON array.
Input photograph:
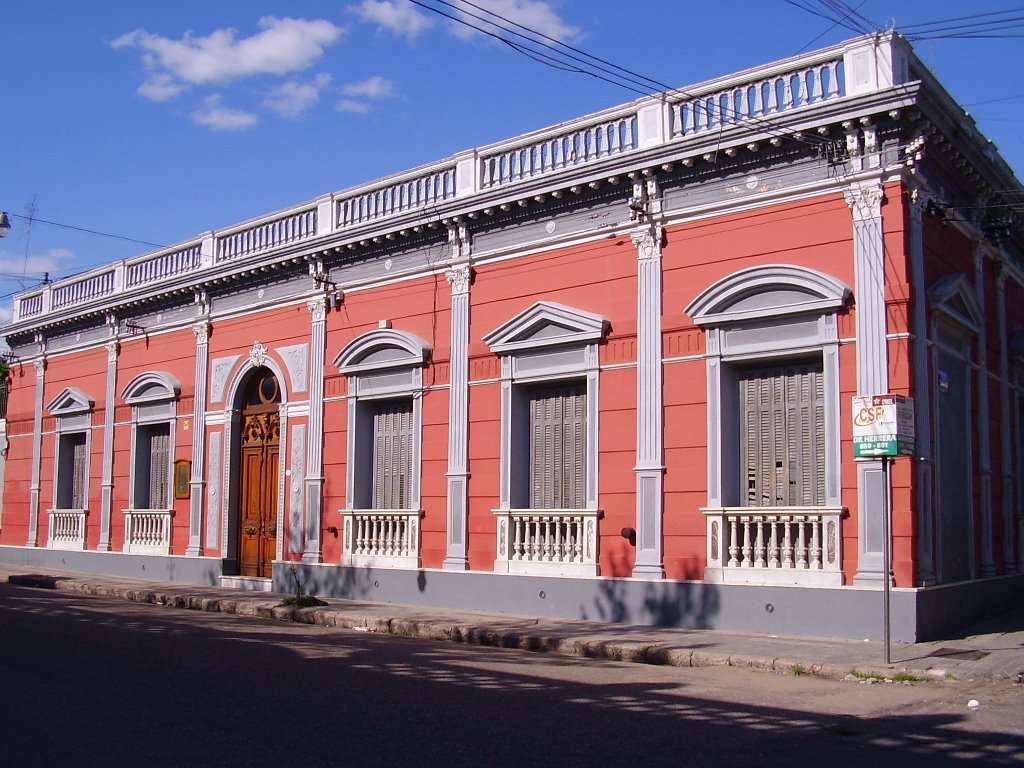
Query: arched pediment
[
  {"x": 770, "y": 290},
  {"x": 952, "y": 296},
  {"x": 547, "y": 324},
  {"x": 382, "y": 348},
  {"x": 151, "y": 386},
  {"x": 69, "y": 402}
]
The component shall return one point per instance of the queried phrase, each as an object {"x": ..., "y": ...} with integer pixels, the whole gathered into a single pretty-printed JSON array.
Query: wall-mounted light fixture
[
  {"x": 5, "y": 223},
  {"x": 133, "y": 327}
]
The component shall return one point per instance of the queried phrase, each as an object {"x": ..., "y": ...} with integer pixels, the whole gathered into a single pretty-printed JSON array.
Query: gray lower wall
[
  {"x": 185, "y": 570},
  {"x": 847, "y": 612}
]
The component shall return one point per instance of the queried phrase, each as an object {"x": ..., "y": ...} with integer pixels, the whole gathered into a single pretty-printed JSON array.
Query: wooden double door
[{"x": 260, "y": 461}]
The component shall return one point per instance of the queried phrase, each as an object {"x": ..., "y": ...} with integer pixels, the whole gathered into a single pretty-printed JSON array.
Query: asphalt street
[{"x": 91, "y": 681}]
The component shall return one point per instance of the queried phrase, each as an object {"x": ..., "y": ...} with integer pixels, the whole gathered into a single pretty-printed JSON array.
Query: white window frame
[
  {"x": 153, "y": 397},
  {"x": 758, "y": 317},
  {"x": 381, "y": 365},
  {"x": 546, "y": 344},
  {"x": 72, "y": 409}
]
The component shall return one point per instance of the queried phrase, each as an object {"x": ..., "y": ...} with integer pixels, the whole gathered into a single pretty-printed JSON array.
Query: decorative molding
[
  {"x": 546, "y": 324},
  {"x": 70, "y": 401},
  {"x": 201, "y": 332},
  {"x": 459, "y": 278},
  {"x": 296, "y": 360},
  {"x": 648, "y": 241},
  {"x": 220, "y": 369},
  {"x": 318, "y": 309},
  {"x": 151, "y": 387},
  {"x": 865, "y": 200},
  {"x": 213, "y": 508},
  {"x": 382, "y": 348},
  {"x": 258, "y": 354},
  {"x": 296, "y": 543},
  {"x": 113, "y": 349}
]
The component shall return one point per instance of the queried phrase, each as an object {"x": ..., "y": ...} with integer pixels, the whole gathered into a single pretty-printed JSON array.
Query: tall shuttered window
[
  {"x": 558, "y": 444},
  {"x": 782, "y": 435},
  {"x": 153, "y": 466},
  {"x": 73, "y": 471},
  {"x": 393, "y": 435}
]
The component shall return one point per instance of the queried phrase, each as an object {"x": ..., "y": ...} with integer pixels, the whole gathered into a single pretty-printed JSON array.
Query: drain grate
[{"x": 959, "y": 653}]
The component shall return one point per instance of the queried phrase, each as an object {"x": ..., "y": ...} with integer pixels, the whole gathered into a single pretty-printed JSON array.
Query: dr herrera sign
[{"x": 883, "y": 425}]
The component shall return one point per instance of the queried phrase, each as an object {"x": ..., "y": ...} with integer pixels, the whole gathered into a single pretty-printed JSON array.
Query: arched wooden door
[{"x": 261, "y": 436}]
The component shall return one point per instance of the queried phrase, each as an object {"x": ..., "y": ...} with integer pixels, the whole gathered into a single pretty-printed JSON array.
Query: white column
[
  {"x": 37, "y": 452},
  {"x": 650, "y": 465},
  {"x": 314, "y": 451},
  {"x": 460, "y": 279},
  {"x": 197, "y": 481},
  {"x": 107, "y": 479},
  {"x": 923, "y": 491},
  {"x": 865, "y": 201},
  {"x": 984, "y": 446}
]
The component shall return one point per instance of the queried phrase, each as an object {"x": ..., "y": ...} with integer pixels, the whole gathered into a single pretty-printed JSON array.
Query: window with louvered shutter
[
  {"x": 79, "y": 479},
  {"x": 393, "y": 432},
  {"x": 159, "y": 466},
  {"x": 782, "y": 428},
  {"x": 558, "y": 435}
]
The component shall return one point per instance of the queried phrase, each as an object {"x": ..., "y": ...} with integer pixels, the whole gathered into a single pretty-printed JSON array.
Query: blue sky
[{"x": 161, "y": 120}]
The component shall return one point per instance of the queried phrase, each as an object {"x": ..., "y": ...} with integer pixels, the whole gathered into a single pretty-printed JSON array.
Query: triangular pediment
[
  {"x": 547, "y": 324},
  {"x": 69, "y": 402},
  {"x": 952, "y": 296}
]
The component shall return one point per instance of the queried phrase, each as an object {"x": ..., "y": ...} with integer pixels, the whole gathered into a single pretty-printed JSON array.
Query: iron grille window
[
  {"x": 782, "y": 426},
  {"x": 393, "y": 433},
  {"x": 558, "y": 440}
]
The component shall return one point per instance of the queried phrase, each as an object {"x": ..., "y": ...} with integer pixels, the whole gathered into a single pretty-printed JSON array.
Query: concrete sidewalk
[{"x": 993, "y": 650}]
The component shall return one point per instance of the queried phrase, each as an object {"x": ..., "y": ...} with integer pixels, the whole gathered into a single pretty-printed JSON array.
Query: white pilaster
[
  {"x": 1005, "y": 438},
  {"x": 460, "y": 279},
  {"x": 197, "y": 481},
  {"x": 924, "y": 494},
  {"x": 314, "y": 451},
  {"x": 865, "y": 201},
  {"x": 107, "y": 479},
  {"x": 650, "y": 466},
  {"x": 37, "y": 453},
  {"x": 984, "y": 447}
]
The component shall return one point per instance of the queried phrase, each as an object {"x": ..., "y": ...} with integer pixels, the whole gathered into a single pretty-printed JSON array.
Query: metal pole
[{"x": 886, "y": 553}]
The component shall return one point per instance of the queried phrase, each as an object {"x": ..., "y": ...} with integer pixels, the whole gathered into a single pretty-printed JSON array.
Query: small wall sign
[
  {"x": 182, "y": 477},
  {"x": 883, "y": 425}
]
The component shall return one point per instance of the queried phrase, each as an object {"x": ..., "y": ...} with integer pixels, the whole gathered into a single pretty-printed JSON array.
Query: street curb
[{"x": 469, "y": 633}]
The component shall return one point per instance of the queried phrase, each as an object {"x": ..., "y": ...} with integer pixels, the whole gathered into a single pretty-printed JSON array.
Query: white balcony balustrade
[
  {"x": 388, "y": 538},
  {"x": 547, "y": 541},
  {"x": 774, "y": 545},
  {"x": 67, "y": 528},
  {"x": 147, "y": 531}
]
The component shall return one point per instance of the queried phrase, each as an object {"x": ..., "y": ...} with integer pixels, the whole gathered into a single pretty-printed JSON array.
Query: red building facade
[{"x": 605, "y": 369}]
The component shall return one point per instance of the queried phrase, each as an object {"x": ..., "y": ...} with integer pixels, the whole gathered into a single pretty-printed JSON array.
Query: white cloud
[
  {"x": 538, "y": 15},
  {"x": 213, "y": 114},
  {"x": 347, "y": 105},
  {"x": 52, "y": 261},
  {"x": 293, "y": 99},
  {"x": 400, "y": 17},
  {"x": 375, "y": 87},
  {"x": 282, "y": 47}
]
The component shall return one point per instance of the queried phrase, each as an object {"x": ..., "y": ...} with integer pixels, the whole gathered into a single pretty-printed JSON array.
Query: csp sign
[{"x": 883, "y": 425}]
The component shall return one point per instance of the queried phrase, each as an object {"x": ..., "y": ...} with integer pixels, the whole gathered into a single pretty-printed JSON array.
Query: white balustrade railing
[
  {"x": 148, "y": 531},
  {"x": 563, "y": 149},
  {"x": 382, "y": 537},
  {"x": 83, "y": 290},
  {"x": 153, "y": 269},
  {"x": 403, "y": 195},
  {"x": 750, "y": 100},
  {"x": 547, "y": 541},
  {"x": 267, "y": 234},
  {"x": 749, "y": 97},
  {"x": 29, "y": 306},
  {"x": 774, "y": 545},
  {"x": 66, "y": 529}
]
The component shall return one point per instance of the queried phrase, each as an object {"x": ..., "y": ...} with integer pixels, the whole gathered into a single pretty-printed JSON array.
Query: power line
[{"x": 36, "y": 219}]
